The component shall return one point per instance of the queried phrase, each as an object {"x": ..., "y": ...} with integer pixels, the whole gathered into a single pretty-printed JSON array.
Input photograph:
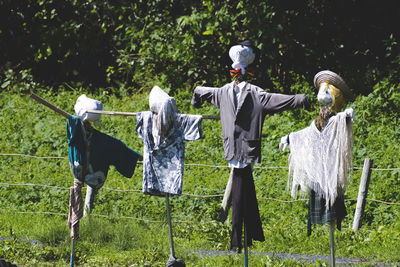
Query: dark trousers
[{"x": 244, "y": 208}]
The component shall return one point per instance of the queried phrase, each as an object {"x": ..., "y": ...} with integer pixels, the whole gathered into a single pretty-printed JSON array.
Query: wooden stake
[
  {"x": 227, "y": 200},
  {"x": 362, "y": 194}
]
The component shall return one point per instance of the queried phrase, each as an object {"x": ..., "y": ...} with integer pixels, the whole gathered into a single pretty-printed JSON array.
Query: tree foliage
[{"x": 135, "y": 44}]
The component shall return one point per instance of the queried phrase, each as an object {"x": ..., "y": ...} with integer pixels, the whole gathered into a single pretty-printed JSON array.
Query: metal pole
[
  {"x": 71, "y": 262},
  {"x": 362, "y": 194},
  {"x": 332, "y": 231},
  {"x": 171, "y": 241},
  {"x": 246, "y": 252}
]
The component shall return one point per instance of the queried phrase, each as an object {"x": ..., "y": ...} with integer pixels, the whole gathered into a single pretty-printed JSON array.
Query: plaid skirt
[{"x": 318, "y": 213}]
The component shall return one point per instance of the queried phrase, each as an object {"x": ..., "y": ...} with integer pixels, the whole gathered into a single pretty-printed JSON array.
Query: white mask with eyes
[{"x": 325, "y": 94}]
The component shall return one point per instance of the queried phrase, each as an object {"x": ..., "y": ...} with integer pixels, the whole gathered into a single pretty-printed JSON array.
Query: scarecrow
[
  {"x": 164, "y": 132},
  {"x": 320, "y": 158},
  {"x": 243, "y": 107},
  {"x": 90, "y": 155}
]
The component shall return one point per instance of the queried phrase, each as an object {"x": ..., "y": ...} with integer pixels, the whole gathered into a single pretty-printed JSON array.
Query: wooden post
[
  {"x": 362, "y": 194},
  {"x": 227, "y": 200}
]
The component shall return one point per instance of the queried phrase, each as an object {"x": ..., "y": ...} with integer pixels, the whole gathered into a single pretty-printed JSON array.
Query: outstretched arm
[
  {"x": 202, "y": 94},
  {"x": 279, "y": 102}
]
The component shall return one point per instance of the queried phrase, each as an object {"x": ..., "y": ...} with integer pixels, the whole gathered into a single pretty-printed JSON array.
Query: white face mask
[{"x": 325, "y": 94}]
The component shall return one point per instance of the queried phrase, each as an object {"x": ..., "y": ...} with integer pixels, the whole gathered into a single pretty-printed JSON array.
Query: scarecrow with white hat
[
  {"x": 91, "y": 153},
  {"x": 243, "y": 107},
  {"x": 164, "y": 132},
  {"x": 320, "y": 158}
]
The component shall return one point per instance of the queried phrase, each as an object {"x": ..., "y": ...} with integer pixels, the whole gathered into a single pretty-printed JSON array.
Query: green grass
[{"x": 27, "y": 127}]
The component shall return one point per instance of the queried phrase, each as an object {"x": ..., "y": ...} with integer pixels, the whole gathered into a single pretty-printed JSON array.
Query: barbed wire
[
  {"x": 98, "y": 215},
  {"x": 191, "y": 195},
  {"x": 190, "y": 164},
  {"x": 32, "y": 156}
]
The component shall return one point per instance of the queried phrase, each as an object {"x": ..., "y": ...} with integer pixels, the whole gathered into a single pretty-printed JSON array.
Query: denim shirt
[{"x": 163, "y": 164}]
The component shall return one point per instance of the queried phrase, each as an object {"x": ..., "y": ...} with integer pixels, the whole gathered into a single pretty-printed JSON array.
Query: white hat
[
  {"x": 157, "y": 98},
  {"x": 83, "y": 104},
  {"x": 164, "y": 113},
  {"x": 242, "y": 56}
]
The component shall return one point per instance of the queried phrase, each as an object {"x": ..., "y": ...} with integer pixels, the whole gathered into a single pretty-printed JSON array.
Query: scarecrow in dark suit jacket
[{"x": 243, "y": 107}]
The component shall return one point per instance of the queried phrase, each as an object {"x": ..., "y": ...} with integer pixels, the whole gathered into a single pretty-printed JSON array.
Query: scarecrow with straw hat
[
  {"x": 320, "y": 158},
  {"x": 243, "y": 107}
]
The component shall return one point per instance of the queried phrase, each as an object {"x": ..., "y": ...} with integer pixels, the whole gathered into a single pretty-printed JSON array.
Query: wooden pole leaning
[
  {"x": 66, "y": 115},
  {"x": 49, "y": 105}
]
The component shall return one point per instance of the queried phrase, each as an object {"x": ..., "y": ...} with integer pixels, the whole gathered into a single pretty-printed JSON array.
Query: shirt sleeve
[
  {"x": 73, "y": 129},
  {"x": 127, "y": 161},
  {"x": 279, "y": 102},
  {"x": 209, "y": 94},
  {"x": 191, "y": 125},
  {"x": 123, "y": 158},
  {"x": 76, "y": 145}
]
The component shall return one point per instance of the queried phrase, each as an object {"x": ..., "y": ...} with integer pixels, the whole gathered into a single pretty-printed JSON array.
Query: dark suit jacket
[{"x": 241, "y": 126}]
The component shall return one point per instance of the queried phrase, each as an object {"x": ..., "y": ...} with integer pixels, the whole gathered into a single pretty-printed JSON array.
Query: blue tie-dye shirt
[{"x": 163, "y": 164}]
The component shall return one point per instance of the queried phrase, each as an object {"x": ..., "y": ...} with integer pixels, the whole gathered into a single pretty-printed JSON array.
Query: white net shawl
[
  {"x": 322, "y": 160},
  {"x": 164, "y": 112}
]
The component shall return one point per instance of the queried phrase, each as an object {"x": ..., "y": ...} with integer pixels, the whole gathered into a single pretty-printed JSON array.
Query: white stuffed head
[
  {"x": 242, "y": 56},
  {"x": 83, "y": 104},
  {"x": 164, "y": 113}
]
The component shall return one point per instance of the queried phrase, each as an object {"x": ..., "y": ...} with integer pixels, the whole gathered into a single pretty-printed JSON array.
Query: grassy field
[{"x": 130, "y": 229}]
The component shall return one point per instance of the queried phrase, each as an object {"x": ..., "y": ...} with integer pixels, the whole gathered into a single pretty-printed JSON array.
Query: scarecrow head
[
  {"x": 242, "y": 55},
  {"x": 333, "y": 92},
  {"x": 164, "y": 112},
  {"x": 83, "y": 104}
]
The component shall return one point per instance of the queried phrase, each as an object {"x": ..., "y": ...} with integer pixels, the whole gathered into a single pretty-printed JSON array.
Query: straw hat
[{"x": 334, "y": 79}]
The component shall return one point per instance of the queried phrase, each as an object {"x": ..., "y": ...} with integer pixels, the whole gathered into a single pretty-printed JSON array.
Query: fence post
[
  {"x": 227, "y": 200},
  {"x": 362, "y": 194}
]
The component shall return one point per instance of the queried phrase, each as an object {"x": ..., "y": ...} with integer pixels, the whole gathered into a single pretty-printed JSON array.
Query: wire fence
[
  {"x": 184, "y": 194},
  {"x": 189, "y": 164},
  {"x": 188, "y": 194}
]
